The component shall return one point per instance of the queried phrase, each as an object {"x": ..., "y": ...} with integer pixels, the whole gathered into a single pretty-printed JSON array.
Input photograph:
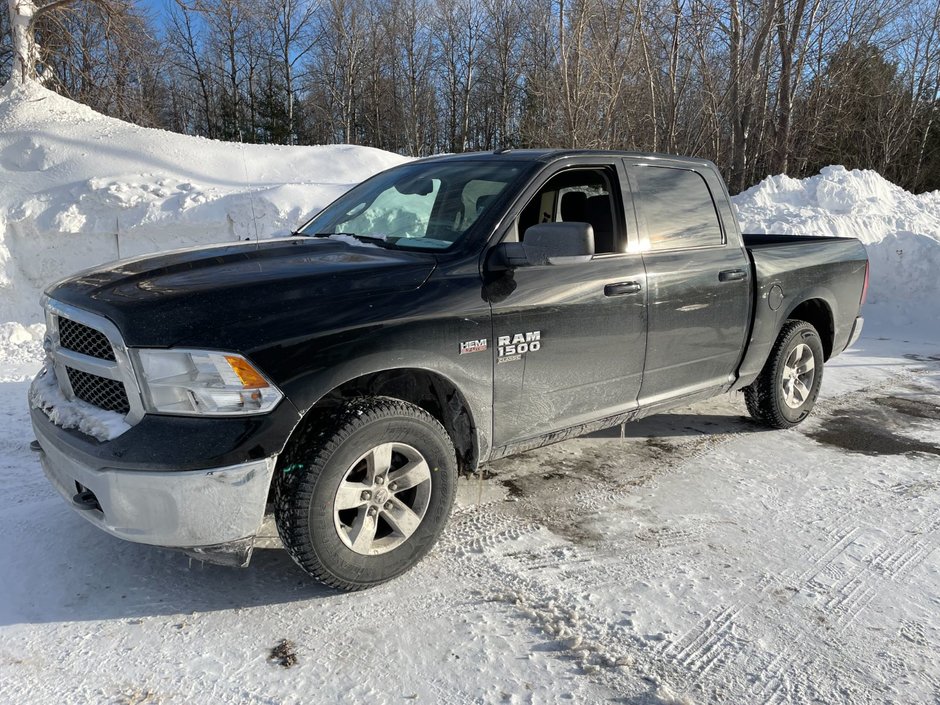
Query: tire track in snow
[
  {"x": 687, "y": 453},
  {"x": 845, "y": 538},
  {"x": 848, "y": 599},
  {"x": 890, "y": 563},
  {"x": 713, "y": 641},
  {"x": 677, "y": 537},
  {"x": 698, "y": 657}
]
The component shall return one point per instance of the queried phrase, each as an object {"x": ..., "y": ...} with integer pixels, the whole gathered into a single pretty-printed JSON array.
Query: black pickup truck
[{"x": 442, "y": 314}]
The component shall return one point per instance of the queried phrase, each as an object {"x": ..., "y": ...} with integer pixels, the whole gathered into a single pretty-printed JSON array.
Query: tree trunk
[{"x": 25, "y": 50}]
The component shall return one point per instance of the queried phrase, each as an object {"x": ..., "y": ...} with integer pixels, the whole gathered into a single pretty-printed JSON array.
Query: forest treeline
[{"x": 759, "y": 86}]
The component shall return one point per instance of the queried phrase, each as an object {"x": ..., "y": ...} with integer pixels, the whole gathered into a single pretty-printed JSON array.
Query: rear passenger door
[{"x": 698, "y": 282}]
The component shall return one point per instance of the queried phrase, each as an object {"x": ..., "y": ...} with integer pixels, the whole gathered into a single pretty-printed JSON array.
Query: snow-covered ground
[{"x": 695, "y": 558}]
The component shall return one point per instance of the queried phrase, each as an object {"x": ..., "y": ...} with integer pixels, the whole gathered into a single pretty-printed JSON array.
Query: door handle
[
  {"x": 731, "y": 275},
  {"x": 621, "y": 288}
]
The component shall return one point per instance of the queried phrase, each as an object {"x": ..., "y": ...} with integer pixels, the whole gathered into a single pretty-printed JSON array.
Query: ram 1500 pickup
[{"x": 439, "y": 315}]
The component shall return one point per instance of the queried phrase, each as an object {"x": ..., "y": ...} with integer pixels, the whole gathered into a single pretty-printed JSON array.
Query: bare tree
[
  {"x": 796, "y": 23},
  {"x": 748, "y": 32},
  {"x": 26, "y": 15},
  {"x": 190, "y": 64},
  {"x": 457, "y": 26},
  {"x": 6, "y": 46},
  {"x": 294, "y": 38},
  {"x": 502, "y": 71}
]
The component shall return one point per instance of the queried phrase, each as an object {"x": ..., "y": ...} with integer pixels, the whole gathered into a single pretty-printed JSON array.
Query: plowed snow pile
[
  {"x": 900, "y": 230},
  {"x": 78, "y": 188}
]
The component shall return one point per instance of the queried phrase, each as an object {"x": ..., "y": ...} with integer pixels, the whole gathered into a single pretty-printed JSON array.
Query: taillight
[{"x": 864, "y": 286}]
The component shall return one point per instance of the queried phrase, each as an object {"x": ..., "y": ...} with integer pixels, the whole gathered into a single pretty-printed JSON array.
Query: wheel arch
[
  {"x": 430, "y": 390},
  {"x": 818, "y": 313},
  {"x": 816, "y": 307}
]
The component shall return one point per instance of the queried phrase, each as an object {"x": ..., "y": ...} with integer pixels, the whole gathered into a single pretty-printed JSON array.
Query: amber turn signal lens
[{"x": 249, "y": 376}]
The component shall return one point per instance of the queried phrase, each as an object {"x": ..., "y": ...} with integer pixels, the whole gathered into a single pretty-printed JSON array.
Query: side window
[
  {"x": 676, "y": 206},
  {"x": 578, "y": 195}
]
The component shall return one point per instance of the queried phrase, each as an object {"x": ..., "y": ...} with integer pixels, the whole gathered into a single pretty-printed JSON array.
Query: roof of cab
[{"x": 550, "y": 155}]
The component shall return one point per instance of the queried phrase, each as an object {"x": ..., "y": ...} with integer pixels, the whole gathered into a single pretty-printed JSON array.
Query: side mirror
[{"x": 549, "y": 243}]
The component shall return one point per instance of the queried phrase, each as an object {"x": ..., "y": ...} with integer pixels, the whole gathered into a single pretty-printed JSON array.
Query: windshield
[{"x": 425, "y": 205}]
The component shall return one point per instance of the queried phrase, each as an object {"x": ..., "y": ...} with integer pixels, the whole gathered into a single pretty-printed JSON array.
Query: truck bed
[{"x": 794, "y": 269}]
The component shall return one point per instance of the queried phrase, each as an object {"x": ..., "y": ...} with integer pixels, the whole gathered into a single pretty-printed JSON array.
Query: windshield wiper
[{"x": 370, "y": 239}]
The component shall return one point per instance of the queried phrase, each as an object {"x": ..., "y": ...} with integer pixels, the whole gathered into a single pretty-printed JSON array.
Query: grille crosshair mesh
[
  {"x": 82, "y": 339},
  {"x": 99, "y": 391}
]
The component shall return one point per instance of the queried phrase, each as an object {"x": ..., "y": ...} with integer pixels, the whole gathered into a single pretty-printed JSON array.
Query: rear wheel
[
  {"x": 362, "y": 497},
  {"x": 785, "y": 391}
]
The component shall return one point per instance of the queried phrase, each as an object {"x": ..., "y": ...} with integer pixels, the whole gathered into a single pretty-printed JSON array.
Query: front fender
[{"x": 444, "y": 313}]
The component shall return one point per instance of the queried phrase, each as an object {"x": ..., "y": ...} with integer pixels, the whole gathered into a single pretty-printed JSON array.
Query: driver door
[{"x": 569, "y": 341}]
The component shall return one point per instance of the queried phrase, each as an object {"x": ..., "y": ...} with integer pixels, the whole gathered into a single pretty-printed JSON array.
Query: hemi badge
[{"x": 472, "y": 346}]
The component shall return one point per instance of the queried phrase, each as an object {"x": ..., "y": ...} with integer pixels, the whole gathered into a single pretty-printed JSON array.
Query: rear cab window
[{"x": 675, "y": 208}]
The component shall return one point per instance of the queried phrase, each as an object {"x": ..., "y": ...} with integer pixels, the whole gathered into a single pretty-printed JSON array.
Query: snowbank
[
  {"x": 900, "y": 230},
  {"x": 20, "y": 350},
  {"x": 78, "y": 188}
]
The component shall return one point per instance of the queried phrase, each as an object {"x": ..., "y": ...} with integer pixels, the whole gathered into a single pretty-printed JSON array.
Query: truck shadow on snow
[
  {"x": 682, "y": 424},
  {"x": 71, "y": 571}
]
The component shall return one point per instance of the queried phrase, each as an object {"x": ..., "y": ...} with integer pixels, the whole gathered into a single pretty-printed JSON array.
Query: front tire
[
  {"x": 362, "y": 495},
  {"x": 785, "y": 392}
]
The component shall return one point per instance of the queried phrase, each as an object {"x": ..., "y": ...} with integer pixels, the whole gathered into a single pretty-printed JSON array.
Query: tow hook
[{"x": 86, "y": 500}]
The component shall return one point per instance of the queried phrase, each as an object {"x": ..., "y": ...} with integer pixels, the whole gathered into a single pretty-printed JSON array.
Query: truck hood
[{"x": 223, "y": 295}]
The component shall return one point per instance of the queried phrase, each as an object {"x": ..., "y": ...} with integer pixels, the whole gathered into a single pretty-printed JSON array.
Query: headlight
[{"x": 200, "y": 382}]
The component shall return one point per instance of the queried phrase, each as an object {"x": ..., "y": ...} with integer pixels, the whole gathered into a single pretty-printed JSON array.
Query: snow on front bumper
[
  {"x": 45, "y": 394},
  {"x": 185, "y": 509}
]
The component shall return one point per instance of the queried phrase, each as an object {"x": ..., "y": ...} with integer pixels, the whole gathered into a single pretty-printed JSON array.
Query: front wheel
[
  {"x": 785, "y": 391},
  {"x": 362, "y": 497}
]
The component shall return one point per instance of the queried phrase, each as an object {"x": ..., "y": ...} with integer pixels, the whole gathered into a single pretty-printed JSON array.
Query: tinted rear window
[{"x": 676, "y": 207}]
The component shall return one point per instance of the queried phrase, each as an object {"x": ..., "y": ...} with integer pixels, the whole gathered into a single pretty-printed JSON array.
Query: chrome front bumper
[{"x": 189, "y": 510}]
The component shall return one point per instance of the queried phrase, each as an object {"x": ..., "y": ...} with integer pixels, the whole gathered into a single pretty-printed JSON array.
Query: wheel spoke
[
  {"x": 792, "y": 359},
  {"x": 362, "y": 532},
  {"x": 349, "y": 495},
  {"x": 800, "y": 389},
  {"x": 788, "y": 392},
  {"x": 379, "y": 461},
  {"x": 806, "y": 366},
  {"x": 798, "y": 352},
  {"x": 411, "y": 475},
  {"x": 401, "y": 518}
]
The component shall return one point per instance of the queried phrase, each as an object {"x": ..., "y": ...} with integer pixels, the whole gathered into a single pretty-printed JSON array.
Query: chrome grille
[
  {"x": 83, "y": 339},
  {"x": 99, "y": 391},
  {"x": 90, "y": 360}
]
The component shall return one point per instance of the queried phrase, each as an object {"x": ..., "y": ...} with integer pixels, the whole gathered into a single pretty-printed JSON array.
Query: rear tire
[
  {"x": 363, "y": 494},
  {"x": 785, "y": 391}
]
